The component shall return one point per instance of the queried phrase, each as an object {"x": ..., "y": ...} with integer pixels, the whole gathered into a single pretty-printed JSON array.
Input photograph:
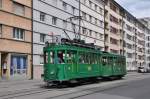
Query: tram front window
[
  {"x": 49, "y": 57},
  {"x": 45, "y": 57}
]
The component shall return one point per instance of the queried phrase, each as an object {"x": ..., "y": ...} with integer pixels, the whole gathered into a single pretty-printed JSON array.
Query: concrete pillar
[{"x": 8, "y": 65}]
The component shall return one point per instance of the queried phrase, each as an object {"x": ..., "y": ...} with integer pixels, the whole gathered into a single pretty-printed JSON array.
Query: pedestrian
[{"x": 4, "y": 68}]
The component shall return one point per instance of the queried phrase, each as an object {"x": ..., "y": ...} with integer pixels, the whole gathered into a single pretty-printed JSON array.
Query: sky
[{"x": 138, "y": 8}]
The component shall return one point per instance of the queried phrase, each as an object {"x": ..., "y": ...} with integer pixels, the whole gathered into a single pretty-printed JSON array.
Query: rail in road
[{"x": 70, "y": 93}]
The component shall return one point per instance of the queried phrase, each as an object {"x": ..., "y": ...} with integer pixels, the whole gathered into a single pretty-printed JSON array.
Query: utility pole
[{"x": 79, "y": 20}]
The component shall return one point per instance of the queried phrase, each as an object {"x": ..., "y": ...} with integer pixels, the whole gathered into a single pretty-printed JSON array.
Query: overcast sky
[{"x": 138, "y": 8}]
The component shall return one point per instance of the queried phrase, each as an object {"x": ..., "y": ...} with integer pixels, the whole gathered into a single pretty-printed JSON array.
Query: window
[
  {"x": 64, "y": 6},
  {"x": 113, "y": 30},
  {"x": 42, "y": 16},
  {"x": 73, "y": 10},
  {"x": 129, "y": 37},
  {"x": 90, "y": 18},
  {"x": 64, "y": 24},
  {"x": 100, "y": 10},
  {"x": 114, "y": 19},
  {"x": 113, "y": 41},
  {"x": 101, "y": 23},
  {"x": 101, "y": 36},
  {"x": 129, "y": 46},
  {"x": 73, "y": 27},
  {"x": 18, "y": 33},
  {"x": 148, "y": 44},
  {"x": 96, "y": 34},
  {"x": 0, "y": 3},
  {"x": 90, "y": 4},
  {"x": 18, "y": 8},
  {"x": 42, "y": 38},
  {"x": 128, "y": 27},
  {"x": 41, "y": 59},
  {"x": 129, "y": 55},
  {"x": 90, "y": 32},
  {"x": 54, "y": 20},
  {"x": 113, "y": 7},
  {"x": 96, "y": 7},
  {"x": 84, "y": 15},
  {"x": 84, "y": 30},
  {"x": 95, "y": 21}
]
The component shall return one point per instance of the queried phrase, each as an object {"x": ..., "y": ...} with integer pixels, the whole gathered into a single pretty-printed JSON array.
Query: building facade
[
  {"x": 113, "y": 27},
  {"x": 92, "y": 23},
  {"x": 63, "y": 18},
  {"x": 129, "y": 41},
  {"x": 146, "y": 22},
  {"x": 15, "y": 38},
  {"x": 124, "y": 35}
]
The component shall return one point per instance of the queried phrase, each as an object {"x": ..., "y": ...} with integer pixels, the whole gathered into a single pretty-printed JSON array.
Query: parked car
[{"x": 143, "y": 70}]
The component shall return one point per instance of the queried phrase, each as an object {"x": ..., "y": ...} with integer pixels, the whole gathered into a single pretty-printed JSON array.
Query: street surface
[{"x": 132, "y": 86}]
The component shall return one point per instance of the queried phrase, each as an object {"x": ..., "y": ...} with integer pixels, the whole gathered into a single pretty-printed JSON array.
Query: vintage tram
[{"x": 74, "y": 60}]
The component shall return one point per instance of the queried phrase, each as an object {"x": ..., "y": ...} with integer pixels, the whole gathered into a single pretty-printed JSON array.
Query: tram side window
[
  {"x": 110, "y": 60},
  {"x": 115, "y": 61},
  {"x": 95, "y": 58},
  {"x": 84, "y": 58},
  {"x": 71, "y": 57},
  {"x": 104, "y": 60}
]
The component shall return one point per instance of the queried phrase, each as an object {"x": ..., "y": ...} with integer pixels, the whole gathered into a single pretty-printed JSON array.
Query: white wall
[{"x": 50, "y": 9}]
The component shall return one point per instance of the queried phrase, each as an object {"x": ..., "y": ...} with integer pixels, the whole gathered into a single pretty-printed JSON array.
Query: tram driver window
[{"x": 60, "y": 56}]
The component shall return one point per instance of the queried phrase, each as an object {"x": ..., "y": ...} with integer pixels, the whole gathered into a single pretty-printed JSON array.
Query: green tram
[{"x": 73, "y": 61}]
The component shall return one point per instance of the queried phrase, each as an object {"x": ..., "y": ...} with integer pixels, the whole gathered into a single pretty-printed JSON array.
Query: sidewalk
[{"x": 41, "y": 80}]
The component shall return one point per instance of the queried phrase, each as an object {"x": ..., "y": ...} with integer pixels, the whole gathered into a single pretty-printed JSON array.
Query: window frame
[
  {"x": 54, "y": 20},
  {"x": 18, "y": 4},
  {"x": 42, "y": 38},
  {"x": 17, "y": 33},
  {"x": 42, "y": 16}
]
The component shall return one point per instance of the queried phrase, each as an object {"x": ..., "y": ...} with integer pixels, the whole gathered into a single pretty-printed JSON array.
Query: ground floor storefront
[{"x": 15, "y": 66}]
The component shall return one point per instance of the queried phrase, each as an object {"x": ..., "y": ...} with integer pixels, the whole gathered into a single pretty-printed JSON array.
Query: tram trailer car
[{"x": 66, "y": 62}]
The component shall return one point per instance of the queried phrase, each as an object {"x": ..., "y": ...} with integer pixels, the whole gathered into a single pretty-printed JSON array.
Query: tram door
[{"x": 18, "y": 66}]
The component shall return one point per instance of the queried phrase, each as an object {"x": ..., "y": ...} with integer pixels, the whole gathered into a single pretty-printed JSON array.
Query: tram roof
[{"x": 77, "y": 48}]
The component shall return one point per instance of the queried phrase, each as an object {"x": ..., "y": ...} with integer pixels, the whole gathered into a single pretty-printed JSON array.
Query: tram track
[
  {"x": 20, "y": 93},
  {"x": 73, "y": 94},
  {"x": 89, "y": 91}
]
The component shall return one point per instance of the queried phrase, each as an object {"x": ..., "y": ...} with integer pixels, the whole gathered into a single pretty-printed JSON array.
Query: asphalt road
[
  {"x": 132, "y": 86},
  {"x": 139, "y": 89}
]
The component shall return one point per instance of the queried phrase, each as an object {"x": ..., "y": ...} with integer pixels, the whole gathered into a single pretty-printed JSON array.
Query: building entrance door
[{"x": 18, "y": 66}]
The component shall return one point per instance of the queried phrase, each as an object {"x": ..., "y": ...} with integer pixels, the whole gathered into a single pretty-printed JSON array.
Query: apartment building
[
  {"x": 113, "y": 27},
  {"x": 129, "y": 41},
  {"x": 146, "y": 22},
  {"x": 63, "y": 18},
  {"x": 134, "y": 42},
  {"x": 92, "y": 23},
  {"x": 15, "y": 39},
  {"x": 124, "y": 34},
  {"x": 140, "y": 44}
]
